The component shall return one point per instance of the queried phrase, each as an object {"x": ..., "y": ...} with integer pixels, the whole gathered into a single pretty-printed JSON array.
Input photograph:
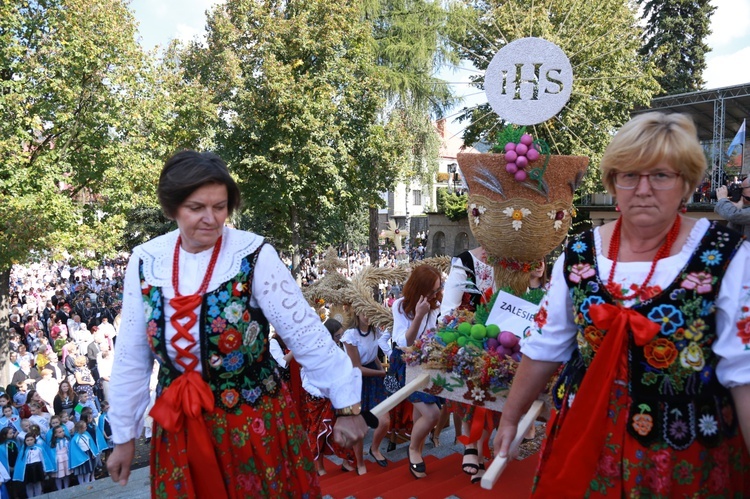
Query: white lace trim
[{"x": 158, "y": 253}]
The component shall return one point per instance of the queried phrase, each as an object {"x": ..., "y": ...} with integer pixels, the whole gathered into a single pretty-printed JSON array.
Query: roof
[{"x": 704, "y": 106}]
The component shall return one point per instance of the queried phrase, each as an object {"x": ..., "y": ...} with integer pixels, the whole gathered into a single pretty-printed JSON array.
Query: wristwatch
[{"x": 352, "y": 410}]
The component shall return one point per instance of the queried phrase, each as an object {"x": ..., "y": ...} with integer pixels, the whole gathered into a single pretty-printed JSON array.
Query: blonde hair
[{"x": 649, "y": 139}]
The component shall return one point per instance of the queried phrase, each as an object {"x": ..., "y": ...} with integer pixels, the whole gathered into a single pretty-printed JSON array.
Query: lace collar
[{"x": 157, "y": 255}]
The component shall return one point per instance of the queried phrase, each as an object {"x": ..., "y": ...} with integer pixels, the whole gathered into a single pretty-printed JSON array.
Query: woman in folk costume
[
  {"x": 200, "y": 300},
  {"x": 651, "y": 314}
]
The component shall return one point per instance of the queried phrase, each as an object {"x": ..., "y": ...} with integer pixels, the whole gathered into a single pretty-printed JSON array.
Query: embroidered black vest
[
  {"x": 676, "y": 397},
  {"x": 235, "y": 358}
]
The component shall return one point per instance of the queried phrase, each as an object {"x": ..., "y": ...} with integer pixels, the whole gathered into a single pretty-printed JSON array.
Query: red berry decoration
[{"x": 559, "y": 215}]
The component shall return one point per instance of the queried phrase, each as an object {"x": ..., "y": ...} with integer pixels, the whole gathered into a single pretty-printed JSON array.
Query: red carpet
[{"x": 443, "y": 480}]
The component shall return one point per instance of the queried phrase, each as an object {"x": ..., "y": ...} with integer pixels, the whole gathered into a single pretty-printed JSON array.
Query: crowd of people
[{"x": 63, "y": 328}]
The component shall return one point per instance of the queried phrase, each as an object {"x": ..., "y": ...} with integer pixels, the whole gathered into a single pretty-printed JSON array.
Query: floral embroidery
[
  {"x": 578, "y": 247},
  {"x": 594, "y": 337},
  {"x": 708, "y": 425},
  {"x": 642, "y": 422},
  {"x": 476, "y": 212},
  {"x": 692, "y": 357},
  {"x": 517, "y": 215},
  {"x": 581, "y": 271},
  {"x": 743, "y": 328},
  {"x": 701, "y": 282},
  {"x": 230, "y": 398},
  {"x": 234, "y": 361},
  {"x": 229, "y": 340},
  {"x": 218, "y": 323},
  {"x": 711, "y": 257},
  {"x": 669, "y": 317},
  {"x": 540, "y": 319},
  {"x": 660, "y": 353}
]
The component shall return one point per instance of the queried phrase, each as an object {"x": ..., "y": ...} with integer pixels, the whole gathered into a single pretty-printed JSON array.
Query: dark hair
[
  {"x": 333, "y": 326},
  {"x": 4, "y": 434},
  {"x": 188, "y": 171}
]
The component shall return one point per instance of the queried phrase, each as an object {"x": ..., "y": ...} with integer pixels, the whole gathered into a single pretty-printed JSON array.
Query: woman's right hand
[
  {"x": 422, "y": 308},
  {"x": 506, "y": 432},
  {"x": 118, "y": 463}
]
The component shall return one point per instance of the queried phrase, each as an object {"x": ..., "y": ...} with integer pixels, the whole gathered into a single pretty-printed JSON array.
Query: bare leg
[
  {"x": 377, "y": 437},
  {"x": 443, "y": 421},
  {"x": 428, "y": 416},
  {"x": 358, "y": 454}
]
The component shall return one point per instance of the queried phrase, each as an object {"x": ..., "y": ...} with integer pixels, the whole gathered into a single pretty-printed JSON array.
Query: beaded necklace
[
  {"x": 614, "y": 248},
  {"x": 209, "y": 271}
]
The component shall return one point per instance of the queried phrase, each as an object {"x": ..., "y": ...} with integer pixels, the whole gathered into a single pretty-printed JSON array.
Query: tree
[
  {"x": 674, "y": 39},
  {"x": 409, "y": 48},
  {"x": 299, "y": 100},
  {"x": 74, "y": 129},
  {"x": 601, "y": 39}
]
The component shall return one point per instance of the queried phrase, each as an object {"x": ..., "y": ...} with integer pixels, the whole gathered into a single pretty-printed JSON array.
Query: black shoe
[
  {"x": 382, "y": 462},
  {"x": 470, "y": 468},
  {"x": 415, "y": 468},
  {"x": 391, "y": 447}
]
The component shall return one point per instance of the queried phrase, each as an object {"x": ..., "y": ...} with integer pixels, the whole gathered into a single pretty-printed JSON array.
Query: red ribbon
[
  {"x": 180, "y": 409},
  {"x": 481, "y": 419},
  {"x": 579, "y": 443}
]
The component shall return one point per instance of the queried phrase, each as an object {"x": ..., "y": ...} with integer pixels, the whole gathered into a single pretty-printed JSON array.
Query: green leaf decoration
[{"x": 509, "y": 133}]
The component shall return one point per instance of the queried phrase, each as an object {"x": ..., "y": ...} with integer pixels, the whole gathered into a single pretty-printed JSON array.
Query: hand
[
  {"x": 721, "y": 192},
  {"x": 506, "y": 432},
  {"x": 119, "y": 462},
  {"x": 422, "y": 308},
  {"x": 349, "y": 430}
]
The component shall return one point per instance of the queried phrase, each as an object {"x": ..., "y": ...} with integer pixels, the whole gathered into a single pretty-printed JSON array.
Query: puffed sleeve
[
  {"x": 454, "y": 287},
  {"x": 401, "y": 324},
  {"x": 733, "y": 321},
  {"x": 129, "y": 385},
  {"x": 327, "y": 367},
  {"x": 554, "y": 337}
]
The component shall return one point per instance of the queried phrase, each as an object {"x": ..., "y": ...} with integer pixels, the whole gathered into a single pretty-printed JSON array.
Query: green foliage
[
  {"x": 509, "y": 133},
  {"x": 601, "y": 39},
  {"x": 674, "y": 40},
  {"x": 453, "y": 205},
  {"x": 81, "y": 127}
]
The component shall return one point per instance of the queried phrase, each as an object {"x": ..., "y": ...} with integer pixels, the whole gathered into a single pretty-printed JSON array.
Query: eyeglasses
[
  {"x": 660, "y": 181},
  {"x": 436, "y": 291}
]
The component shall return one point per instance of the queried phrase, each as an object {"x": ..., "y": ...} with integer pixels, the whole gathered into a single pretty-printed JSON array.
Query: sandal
[
  {"x": 470, "y": 468},
  {"x": 480, "y": 473},
  {"x": 415, "y": 468}
]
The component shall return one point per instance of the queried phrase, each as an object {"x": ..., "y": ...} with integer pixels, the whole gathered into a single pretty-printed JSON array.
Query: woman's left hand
[{"x": 349, "y": 430}]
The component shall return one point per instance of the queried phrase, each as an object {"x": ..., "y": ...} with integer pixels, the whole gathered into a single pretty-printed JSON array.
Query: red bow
[
  {"x": 580, "y": 440},
  {"x": 611, "y": 318},
  {"x": 179, "y": 410},
  {"x": 481, "y": 419}
]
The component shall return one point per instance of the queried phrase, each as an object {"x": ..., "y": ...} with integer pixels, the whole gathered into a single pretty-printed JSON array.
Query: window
[{"x": 417, "y": 198}]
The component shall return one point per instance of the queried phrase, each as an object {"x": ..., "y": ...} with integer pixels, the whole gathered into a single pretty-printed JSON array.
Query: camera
[{"x": 734, "y": 192}]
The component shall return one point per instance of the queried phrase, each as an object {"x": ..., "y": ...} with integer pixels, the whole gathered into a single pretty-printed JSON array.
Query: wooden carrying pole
[
  {"x": 413, "y": 386},
  {"x": 499, "y": 463}
]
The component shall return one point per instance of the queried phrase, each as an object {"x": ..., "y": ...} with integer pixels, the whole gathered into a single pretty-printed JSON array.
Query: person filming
[{"x": 735, "y": 211}]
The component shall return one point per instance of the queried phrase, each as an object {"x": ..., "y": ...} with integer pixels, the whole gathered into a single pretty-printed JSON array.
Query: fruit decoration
[{"x": 520, "y": 151}]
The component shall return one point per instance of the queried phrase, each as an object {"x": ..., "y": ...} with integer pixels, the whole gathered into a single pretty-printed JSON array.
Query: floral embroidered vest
[
  {"x": 233, "y": 341},
  {"x": 676, "y": 396}
]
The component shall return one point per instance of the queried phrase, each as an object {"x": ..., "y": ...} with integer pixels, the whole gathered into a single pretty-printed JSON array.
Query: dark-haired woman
[
  {"x": 361, "y": 344},
  {"x": 414, "y": 314},
  {"x": 200, "y": 300}
]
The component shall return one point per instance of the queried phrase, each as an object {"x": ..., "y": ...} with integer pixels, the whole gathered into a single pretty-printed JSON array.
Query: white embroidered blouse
[
  {"x": 557, "y": 339},
  {"x": 274, "y": 291}
]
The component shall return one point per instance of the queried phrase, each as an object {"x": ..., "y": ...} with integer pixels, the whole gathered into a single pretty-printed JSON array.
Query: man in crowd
[{"x": 737, "y": 214}]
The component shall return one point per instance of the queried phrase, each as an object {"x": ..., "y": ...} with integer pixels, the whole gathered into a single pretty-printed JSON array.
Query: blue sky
[{"x": 728, "y": 62}]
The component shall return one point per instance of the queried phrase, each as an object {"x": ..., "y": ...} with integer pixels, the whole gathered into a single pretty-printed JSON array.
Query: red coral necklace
[
  {"x": 614, "y": 248},
  {"x": 209, "y": 271}
]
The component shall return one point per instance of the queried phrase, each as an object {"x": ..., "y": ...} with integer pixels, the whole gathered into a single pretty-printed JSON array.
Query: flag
[{"x": 738, "y": 140}]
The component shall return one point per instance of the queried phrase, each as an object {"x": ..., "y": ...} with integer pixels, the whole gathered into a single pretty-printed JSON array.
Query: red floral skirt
[
  {"x": 262, "y": 452},
  {"x": 629, "y": 469},
  {"x": 318, "y": 420}
]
